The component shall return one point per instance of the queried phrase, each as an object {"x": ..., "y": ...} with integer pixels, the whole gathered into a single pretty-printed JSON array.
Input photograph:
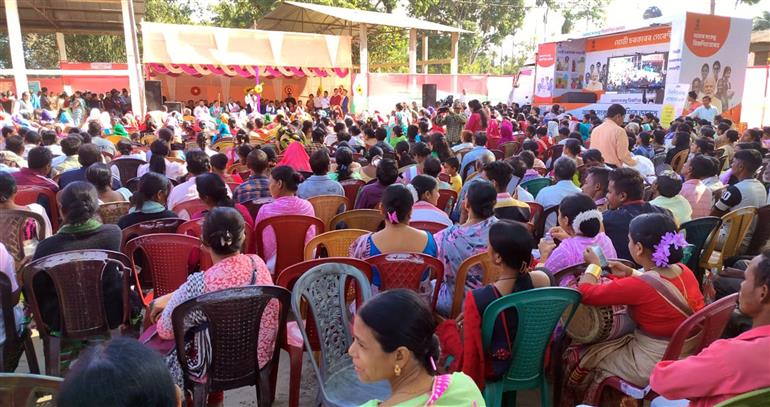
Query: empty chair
[{"x": 328, "y": 206}]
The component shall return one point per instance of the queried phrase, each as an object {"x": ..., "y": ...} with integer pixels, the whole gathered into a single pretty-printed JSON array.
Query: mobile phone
[{"x": 602, "y": 259}]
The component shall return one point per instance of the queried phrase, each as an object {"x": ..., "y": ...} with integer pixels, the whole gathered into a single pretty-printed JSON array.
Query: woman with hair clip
[
  {"x": 394, "y": 340},
  {"x": 397, "y": 236},
  {"x": 213, "y": 192},
  {"x": 343, "y": 158},
  {"x": 580, "y": 225},
  {"x": 160, "y": 163},
  {"x": 510, "y": 246},
  {"x": 223, "y": 236},
  {"x": 425, "y": 189},
  {"x": 149, "y": 201},
  {"x": 659, "y": 296}
]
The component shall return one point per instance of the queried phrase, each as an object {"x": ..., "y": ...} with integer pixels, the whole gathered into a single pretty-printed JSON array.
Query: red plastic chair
[
  {"x": 165, "y": 225},
  {"x": 351, "y": 187},
  {"x": 286, "y": 279},
  {"x": 254, "y": 206},
  {"x": 432, "y": 227},
  {"x": 28, "y": 194},
  {"x": 406, "y": 270},
  {"x": 290, "y": 231},
  {"x": 709, "y": 323},
  {"x": 190, "y": 207},
  {"x": 167, "y": 256},
  {"x": 446, "y": 200},
  {"x": 193, "y": 228}
]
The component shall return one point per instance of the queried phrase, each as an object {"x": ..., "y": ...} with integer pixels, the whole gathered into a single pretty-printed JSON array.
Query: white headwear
[{"x": 584, "y": 216}]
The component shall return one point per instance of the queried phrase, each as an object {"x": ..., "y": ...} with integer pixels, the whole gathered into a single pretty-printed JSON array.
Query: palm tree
[{"x": 762, "y": 22}]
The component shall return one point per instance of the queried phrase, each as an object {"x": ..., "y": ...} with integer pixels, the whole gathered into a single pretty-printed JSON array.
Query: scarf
[
  {"x": 83, "y": 227},
  {"x": 149, "y": 207}
]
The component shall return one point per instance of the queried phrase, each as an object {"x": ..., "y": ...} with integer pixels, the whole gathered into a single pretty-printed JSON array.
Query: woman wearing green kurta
[{"x": 393, "y": 340}]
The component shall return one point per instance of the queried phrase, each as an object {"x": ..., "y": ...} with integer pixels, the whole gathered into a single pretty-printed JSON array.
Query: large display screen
[{"x": 635, "y": 72}]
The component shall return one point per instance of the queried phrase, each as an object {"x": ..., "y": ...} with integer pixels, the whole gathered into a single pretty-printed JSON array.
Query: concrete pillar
[
  {"x": 17, "y": 47},
  {"x": 61, "y": 46},
  {"x": 363, "y": 51},
  {"x": 413, "y": 51},
  {"x": 453, "y": 66},
  {"x": 359, "y": 101},
  {"x": 135, "y": 80},
  {"x": 425, "y": 52}
]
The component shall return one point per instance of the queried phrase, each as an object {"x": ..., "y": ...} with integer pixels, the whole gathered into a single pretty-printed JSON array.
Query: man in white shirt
[
  {"x": 201, "y": 112},
  {"x": 705, "y": 111},
  {"x": 325, "y": 103},
  {"x": 197, "y": 163},
  {"x": 318, "y": 102}
]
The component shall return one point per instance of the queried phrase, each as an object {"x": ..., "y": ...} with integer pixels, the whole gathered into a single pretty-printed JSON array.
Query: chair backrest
[
  {"x": 428, "y": 226},
  {"x": 127, "y": 167},
  {"x": 446, "y": 200},
  {"x": 365, "y": 219},
  {"x": 14, "y": 222},
  {"x": 233, "y": 317},
  {"x": 406, "y": 270},
  {"x": 324, "y": 288},
  {"x": 534, "y": 186},
  {"x": 489, "y": 269},
  {"x": 6, "y": 307},
  {"x": 679, "y": 159},
  {"x": 336, "y": 242},
  {"x": 166, "y": 256},
  {"x": 327, "y": 206},
  {"x": 352, "y": 187},
  {"x": 444, "y": 177},
  {"x": 539, "y": 230},
  {"x": 164, "y": 225},
  {"x": 510, "y": 148},
  {"x": 738, "y": 222},
  {"x": 762, "y": 232},
  {"x": 29, "y": 194},
  {"x": 535, "y": 215},
  {"x": 187, "y": 209},
  {"x": 232, "y": 185},
  {"x": 194, "y": 228},
  {"x": 77, "y": 277},
  {"x": 112, "y": 212},
  {"x": 23, "y": 389},
  {"x": 538, "y": 311},
  {"x": 499, "y": 154},
  {"x": 290, "y": 231},
  {"x": 237, "y": 168},
  {"x": 708, "y": 324},
  {"x": 223, "y": 145},
  {"x": 760, "y": 397},
  {"x": 697, "y": 232},
  {"x": 132, "y": 184},
  {"x": 254, "y": 206}
]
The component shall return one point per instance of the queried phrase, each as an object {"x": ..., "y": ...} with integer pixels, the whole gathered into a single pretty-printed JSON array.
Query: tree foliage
[{"x": 762, "y": 22}]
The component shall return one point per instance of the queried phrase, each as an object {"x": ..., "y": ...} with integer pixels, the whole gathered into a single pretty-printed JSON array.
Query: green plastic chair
[
  {"x": 534, "y": 186},
  {"x": 754, "y": 398},
  {"x": 538, "y": 312}
]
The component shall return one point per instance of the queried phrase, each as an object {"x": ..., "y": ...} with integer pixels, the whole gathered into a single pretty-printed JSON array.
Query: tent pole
[{"x": 17, "y": 47}]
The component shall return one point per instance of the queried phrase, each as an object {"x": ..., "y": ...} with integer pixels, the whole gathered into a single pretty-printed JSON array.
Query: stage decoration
[
  {"x": 195, "y": 91},
  {"x": 245, "y": 71}
]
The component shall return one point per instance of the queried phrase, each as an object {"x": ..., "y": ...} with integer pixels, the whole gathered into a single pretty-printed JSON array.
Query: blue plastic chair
[
  {"x": 538, "y": 312},
  {"x": 324, "y": 289}
]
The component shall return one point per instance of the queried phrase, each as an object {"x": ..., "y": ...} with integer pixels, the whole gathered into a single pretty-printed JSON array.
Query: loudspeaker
[
  {"x": 428, "y": 94},
  {"x": 152, "y": 92},
  {"x": 174, "y": 106}
]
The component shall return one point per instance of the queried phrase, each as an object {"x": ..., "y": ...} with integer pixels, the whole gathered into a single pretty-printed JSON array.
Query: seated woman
[
  {"x": 369, "y": 172},
  {"x": 426, "y": 189},
  {"x": 160, "y": 163},
  {"x": 394, "y": 340},
  {"x": 100, "y": 176},
  {"x": 8, "y": 194},
  {"x": 80, "y": 230},
  {"x": 580, "y": 225},
  {"x": 223, "y": 236},
  {"x": 458, "y": 242},
  {"x": 344, "y": 171},
  {"x": 149, "y": 201},
  {"x": 283, "y": 186},
  {"x": 510, "y": 246},
  {"x": 213, "y": 192},
  {"x": 397, "y": 236},
  {"x": 659, "y": 298},
  {"x": 296, "y": 157},
  {"x": 370, "y": 195}
]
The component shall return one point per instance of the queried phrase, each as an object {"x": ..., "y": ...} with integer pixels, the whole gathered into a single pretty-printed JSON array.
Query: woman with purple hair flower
[{"x": 659, "y": 296}]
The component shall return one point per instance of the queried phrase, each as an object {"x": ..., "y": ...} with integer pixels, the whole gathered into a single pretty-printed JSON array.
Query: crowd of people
[{"x": 620, "y": 183}]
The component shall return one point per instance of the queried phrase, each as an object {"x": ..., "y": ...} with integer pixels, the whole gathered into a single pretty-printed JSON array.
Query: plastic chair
[
  {"x": 510, "y": 148},
  {"x": 132, "y": 184},
  {"x": 431, "y": 227},
  {"x": 352, "y": 187},
  {"x": 237, "y": 169},
  {"x": 762, "y": 232},
  {"x": 677, "y": 162},
  {"x": 287, "y": 279},
  {"x": 28, "y": 194},
  {"x": 499, "y": 154},
  {"x": 254, "y": 206},
  {"x": 535, "y": 216},
  {"x": 324, "y": 289},
  {"x": 233, "y": 317},
  {"x": 112, "y": 212},
  {"x": 446, "y": 200},
  {"x": 290, "y": 232},
  {"x": 534, "y": 186},
  {"x": 406, "y": 270},
  {"x": 23, "y": 390},
  {"x": 328, "y": 206},
  {"x": 15, "y": 344},
  {"x": 166, "y": 256},
  {"x": 365, "y": 219},
  {"x": 127, "y": 168},
  {"x": 538, "y": 312},
  {"x": 489, "y": 270},
  {"x": 187, "y": 209},
  {"x": 759, "y": 397},
  {"x": 194, "y": 228},
  {"x": 13, "y": 223},
  {"x": 738, "y": 223},
  {"x": 77, "y": 277},
  {"x": 539, "y": 230},
  {"x": 223, "y": 145},
  {"x": 164, "y": 225},
  {"x": 707, "y": 324},
  {"x": 337, "y": 243},
  {"x": 444, "y": 177},
  {"x": 697, "y": 233}
]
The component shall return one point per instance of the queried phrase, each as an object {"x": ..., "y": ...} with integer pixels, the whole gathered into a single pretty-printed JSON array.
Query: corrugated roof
[
  {"x": 316, "y": 18},
  {"x": 71, "y": 16}
]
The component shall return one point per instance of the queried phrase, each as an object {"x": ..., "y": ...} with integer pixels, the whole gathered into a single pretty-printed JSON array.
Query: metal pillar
[
  {"x": 425, "y": 52},
  {"x": 16, "y": 46},
  {"x": 135, "y": 79}
]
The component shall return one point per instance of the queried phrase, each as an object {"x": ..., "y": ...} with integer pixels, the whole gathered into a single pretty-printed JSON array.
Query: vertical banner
[
  {"x": 546, "y": 62},
  {"x": 673, "y": 103}
]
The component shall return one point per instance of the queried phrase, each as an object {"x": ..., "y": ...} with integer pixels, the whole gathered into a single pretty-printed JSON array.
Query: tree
[{"x": 762, "y": 22}]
